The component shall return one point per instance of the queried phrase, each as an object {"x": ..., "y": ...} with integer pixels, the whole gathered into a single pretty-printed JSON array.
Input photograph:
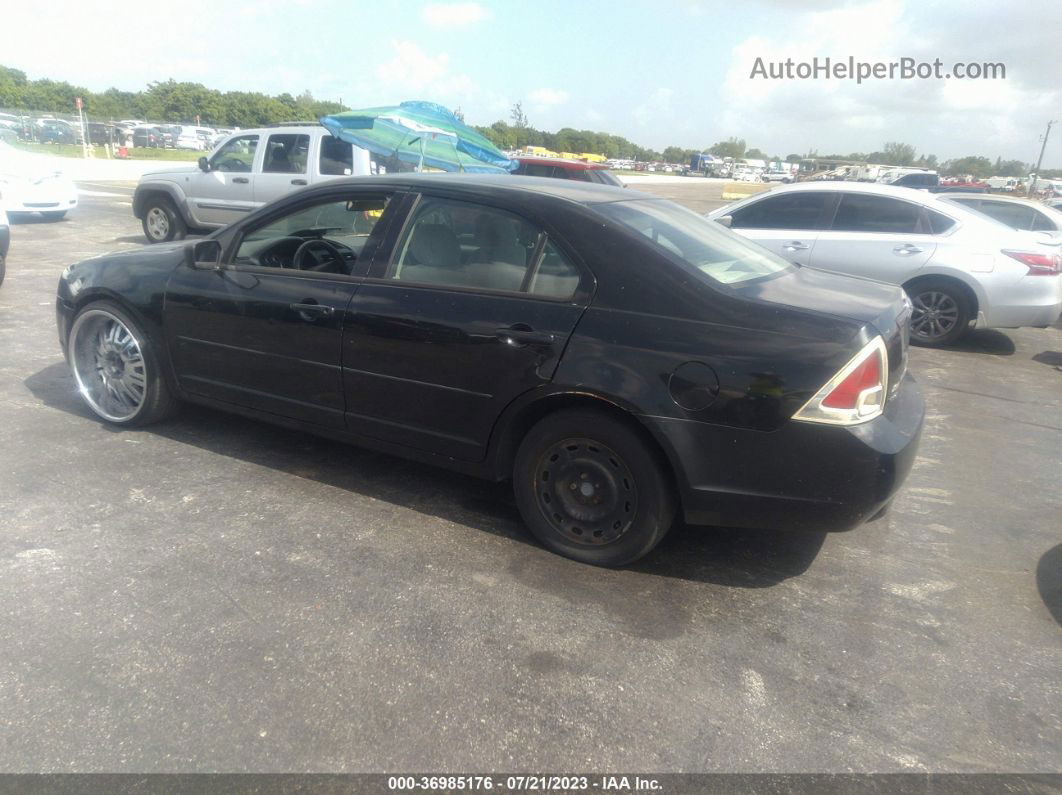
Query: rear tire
[
  {"x": 3, "y": 269},
  {"x": 162, "y": 223},
  {"x": 592, "y": 489},
  {"x": 941, "y": 312}
]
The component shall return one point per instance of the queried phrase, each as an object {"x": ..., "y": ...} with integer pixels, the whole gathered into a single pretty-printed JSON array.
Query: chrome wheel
[
  {"x": 108, "y": 365},
  {"x": 586, "y": 491},
  {"x": 157, "y": 223},
  {"x": 934, "y": 316}
]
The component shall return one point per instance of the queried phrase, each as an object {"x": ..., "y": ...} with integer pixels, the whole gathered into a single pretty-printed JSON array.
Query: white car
[
  {"x": 30, "y": 183},
  {"x": 1021, "y": 214},
  {"x": 958, "y": 266}
]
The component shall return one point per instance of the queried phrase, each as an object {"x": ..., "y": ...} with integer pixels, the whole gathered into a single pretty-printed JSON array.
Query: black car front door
[
  {"x": 472, "y": 309},
  {"x": 263, "y": 330}
]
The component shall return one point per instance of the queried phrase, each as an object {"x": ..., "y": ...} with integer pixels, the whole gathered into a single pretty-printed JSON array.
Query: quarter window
[
  {"x": 864, "y": 212},
  {"x": 237, "y": 154},
  {"x": 939, "y": 223},
  {"x": 458, "y": 244},
  {"x": 337, "y": 157},
  {"x": 796, "y": 210},
  {"x": 286, "y": 154}
]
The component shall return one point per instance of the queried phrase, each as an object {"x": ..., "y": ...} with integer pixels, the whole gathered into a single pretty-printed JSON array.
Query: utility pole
[{"x": 1039, "y": 161}]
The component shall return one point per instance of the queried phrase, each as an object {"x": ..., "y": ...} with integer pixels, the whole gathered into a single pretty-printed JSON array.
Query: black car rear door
[{"x": 472, "y": 308}]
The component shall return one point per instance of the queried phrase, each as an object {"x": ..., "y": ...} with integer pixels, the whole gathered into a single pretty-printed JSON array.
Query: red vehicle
[{"x": 563, "y": 168}]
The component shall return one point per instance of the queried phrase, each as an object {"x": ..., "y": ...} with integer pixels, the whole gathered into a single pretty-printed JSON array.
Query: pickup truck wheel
[{"x": 162, "y": 223}]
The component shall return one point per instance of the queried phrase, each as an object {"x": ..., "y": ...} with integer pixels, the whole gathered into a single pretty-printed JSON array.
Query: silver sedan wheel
[
  {"x": 934, "y": 315},
  {"x": 108, "y": 365},
  {"x": 157, "y": 223}
]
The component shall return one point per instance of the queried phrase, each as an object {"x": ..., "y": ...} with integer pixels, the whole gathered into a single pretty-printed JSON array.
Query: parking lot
[{"x": 216, "y": 594}]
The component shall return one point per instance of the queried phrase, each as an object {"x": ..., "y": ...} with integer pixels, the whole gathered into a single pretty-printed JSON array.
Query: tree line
[{"x": 173, "y": 101}]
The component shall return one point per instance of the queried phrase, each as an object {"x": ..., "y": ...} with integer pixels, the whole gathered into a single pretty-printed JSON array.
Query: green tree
[
  {"x": 898, "y": 154},
  {"x": 731, "y": 147},
  {"x": 974, "y": 165},
  {"x": 518, "y": 116}
]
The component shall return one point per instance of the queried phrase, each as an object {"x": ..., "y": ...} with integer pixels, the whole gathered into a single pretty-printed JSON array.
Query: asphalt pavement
[{"x": 216, "y": 594}]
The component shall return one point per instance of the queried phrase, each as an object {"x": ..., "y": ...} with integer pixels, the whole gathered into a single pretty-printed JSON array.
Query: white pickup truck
[{"x": 246, "y": 170}]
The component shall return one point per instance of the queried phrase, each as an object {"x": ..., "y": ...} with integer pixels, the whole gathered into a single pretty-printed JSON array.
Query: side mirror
[
  {"x": 203, "y": 255},
  {"x": 725, "y": 220},
  {"x": 204, "y": 164}
]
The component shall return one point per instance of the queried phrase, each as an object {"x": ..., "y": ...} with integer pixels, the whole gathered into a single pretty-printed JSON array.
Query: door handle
[
  {"x": 241, "y": 180},
  {"x": 906, "y": 248},
  {"x": 524, "y": 335},
  {"x": 310, "y": 312},
  {"x": 795, "y": 245},
  {"x": 298, "y": 182}
]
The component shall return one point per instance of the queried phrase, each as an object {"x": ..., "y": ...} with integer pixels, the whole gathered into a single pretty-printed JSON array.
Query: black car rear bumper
[{"x": 804, "y": 476}]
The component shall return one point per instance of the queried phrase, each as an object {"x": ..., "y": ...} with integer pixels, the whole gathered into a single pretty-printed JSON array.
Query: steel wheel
[
  {"x": 935, "y": 315},
  {"x": 586, "y": 491},
  {"x": 108, "y": 364},
  {"x": 157, "y": 223}
]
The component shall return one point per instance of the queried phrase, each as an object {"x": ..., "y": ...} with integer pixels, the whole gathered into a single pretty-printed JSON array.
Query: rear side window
[
  {"x": 535, "y": 170},
  {"x": 286, "y": 154},
  {"x": 864, "y": 212},
  {"x": 337, "y": 157},
  {"x": 461, "y": 244},
  {"x": 1012, "y": 214},
  {"x": 796, "y": 210}
]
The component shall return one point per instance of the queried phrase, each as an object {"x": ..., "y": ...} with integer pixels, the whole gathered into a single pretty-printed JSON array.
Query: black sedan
[{"x": 620, "y": 358}]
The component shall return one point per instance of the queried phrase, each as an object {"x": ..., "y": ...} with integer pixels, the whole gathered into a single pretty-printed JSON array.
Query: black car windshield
[{"x": 715, "y": 252}]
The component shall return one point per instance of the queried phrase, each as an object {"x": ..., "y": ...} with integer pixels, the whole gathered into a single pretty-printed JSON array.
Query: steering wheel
[{"x": 306, "y": 248}]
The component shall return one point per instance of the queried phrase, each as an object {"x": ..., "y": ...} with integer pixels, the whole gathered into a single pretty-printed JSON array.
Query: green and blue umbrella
[{"x": 423, "y": 134}]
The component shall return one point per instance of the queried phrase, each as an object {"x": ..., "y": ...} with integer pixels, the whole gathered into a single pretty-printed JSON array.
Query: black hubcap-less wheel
[
  {"x": 586, "y": 491},
  {"x": 934, "y": 315}
]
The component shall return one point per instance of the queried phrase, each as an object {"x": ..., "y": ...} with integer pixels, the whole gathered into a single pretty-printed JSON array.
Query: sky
[{"x": 669, "y": 72}]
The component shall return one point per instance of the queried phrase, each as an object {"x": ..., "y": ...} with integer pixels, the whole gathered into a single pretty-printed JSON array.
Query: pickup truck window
[
  {"x": 236, "y": 155},
  {"x": 286, "y": 153},
  {"x": 337, "y": 157}
]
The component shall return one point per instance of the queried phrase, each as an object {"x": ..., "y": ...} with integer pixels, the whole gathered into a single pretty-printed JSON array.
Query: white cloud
[
  {"x": 454, "y": 15},
  {"x": 544, "y": 97},
  {"x": 948, "y": 117}
]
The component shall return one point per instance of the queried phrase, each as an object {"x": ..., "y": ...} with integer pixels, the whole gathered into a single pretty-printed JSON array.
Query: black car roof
[{"x": 570, "y": 190}]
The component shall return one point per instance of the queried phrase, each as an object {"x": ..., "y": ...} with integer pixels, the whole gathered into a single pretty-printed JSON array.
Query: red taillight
[
  {"x": 846, "y": 394},
  {"x": 1038, "y": 264},
  {"x": 856, "y": 394}
]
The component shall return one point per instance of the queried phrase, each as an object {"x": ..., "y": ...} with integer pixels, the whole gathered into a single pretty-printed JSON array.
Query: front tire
[
  {"x": 592, "y": 489},
  {"x": 3, "y": 269},
  {"x": 55, "y": 215},
  {"x": 941, "y": 313},
  {"x": 115, "y": 367},
  {"x": 162, "y": 223}
]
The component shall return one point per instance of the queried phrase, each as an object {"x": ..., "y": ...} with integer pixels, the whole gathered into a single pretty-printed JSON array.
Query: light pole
[{"x": 1036, "y": 173}]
